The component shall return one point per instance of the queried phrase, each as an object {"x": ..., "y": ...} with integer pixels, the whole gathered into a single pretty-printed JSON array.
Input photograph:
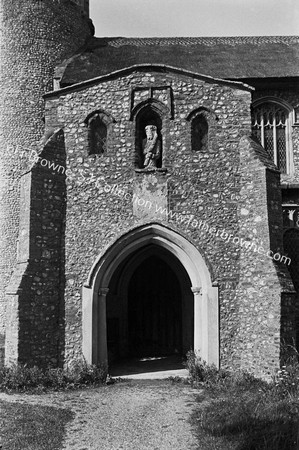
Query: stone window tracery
[{"x": 271, "y": 126}]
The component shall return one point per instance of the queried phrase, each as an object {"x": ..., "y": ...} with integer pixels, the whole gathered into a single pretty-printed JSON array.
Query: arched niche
[
  {"x": 199, "y": 133},
  {"x": 98, "y": 125},
  {"x": 201, "y": 120},
  {"x": 149, "y": 112}
]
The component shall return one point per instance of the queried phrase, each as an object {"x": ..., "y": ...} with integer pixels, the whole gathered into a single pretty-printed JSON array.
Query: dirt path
[{"x": 133, "y": 415}]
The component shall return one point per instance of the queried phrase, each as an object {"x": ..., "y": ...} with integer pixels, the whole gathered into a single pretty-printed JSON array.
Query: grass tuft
[
  {"x": 239, "y": 411},
  {"x": 21, "y": 378}
]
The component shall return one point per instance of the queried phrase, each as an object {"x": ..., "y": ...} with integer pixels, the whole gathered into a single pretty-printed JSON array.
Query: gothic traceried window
[
  {"x": 97, "y": 135},
  {"x": 199, "y": 132},
  {"x": 270, "y": 125}
]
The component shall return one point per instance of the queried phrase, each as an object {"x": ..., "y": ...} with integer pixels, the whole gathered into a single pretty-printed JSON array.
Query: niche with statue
[{"x": 148, "y": 140}]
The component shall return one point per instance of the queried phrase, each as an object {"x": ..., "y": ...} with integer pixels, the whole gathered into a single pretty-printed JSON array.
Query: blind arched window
[
  {"x": 199, "y": 132},
  {"x": 270, "y": 125},
  {"x": 97, "y": 135}
]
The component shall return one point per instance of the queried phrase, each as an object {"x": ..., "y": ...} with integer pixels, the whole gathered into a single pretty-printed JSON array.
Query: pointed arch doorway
[
  {"x": 149, "y": 306},
  {"x": 150, "y": 292}
]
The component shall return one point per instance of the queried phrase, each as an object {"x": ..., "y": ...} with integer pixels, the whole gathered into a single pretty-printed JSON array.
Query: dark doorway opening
[
  {"x": 150, "y": 308},
  {"x": 154, "y": 310}
]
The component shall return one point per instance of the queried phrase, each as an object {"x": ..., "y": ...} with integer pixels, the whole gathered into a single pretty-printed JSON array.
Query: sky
[{"x": 158, "y": 18}]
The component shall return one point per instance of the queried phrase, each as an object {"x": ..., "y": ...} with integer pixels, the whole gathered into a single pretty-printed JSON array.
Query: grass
[
  {"x": 20, "y": 378},
  {"x": 32, "y": 427},
  {"x": 236, "y": 411},
  {"x": 36, "y": 427}
]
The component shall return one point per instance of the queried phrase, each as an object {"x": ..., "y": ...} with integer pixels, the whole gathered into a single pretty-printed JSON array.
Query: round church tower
[{"x": 35, "y": 36}]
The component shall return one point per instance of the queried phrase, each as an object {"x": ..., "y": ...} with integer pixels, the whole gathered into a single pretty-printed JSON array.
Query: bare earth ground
[{"x": 139, "y": 414}]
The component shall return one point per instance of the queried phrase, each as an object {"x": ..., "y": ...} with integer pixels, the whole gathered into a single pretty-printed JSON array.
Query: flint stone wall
[
  {"x": 35, "y": 320},
  {"x": 34, "y": 37},
  {"x": 100, "y": 201}
]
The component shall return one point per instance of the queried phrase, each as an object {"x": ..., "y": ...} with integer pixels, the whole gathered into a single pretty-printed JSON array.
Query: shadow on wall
[
  {"x": 36, "y": 309},
  {"x": 48, "y": 222}
]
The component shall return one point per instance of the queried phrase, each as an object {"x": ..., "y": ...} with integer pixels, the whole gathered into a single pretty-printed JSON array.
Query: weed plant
[
  {"x": 21, "y": 378},
  {"x": 238, "y": 411}
]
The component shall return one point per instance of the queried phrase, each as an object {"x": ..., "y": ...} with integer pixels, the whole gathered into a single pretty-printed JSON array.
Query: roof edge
[
  {"x": 172, "y": 40},
  {"x": 163, "y": 67}
]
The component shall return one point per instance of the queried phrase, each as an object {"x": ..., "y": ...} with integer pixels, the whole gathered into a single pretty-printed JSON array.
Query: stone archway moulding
[{"x": 206, "y": 309}]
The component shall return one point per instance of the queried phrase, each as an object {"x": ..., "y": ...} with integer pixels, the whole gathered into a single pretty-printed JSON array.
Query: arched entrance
[
  {"x": 154, "y": 310},
  {"x": 149, "y": 277},
  {"x": 149, "y": 306}
]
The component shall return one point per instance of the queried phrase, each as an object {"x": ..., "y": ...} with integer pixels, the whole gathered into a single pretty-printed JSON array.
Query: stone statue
[{"x": 151, "y": 147}]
